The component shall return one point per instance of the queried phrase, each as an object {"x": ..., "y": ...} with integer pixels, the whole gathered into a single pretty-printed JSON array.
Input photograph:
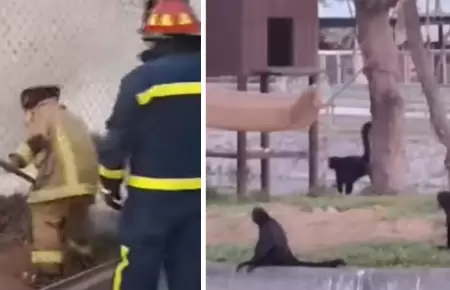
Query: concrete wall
[{"x": 223, "y": 277}]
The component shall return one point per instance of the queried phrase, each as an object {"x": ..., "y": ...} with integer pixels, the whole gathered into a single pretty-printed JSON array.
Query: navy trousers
[{"x": 160, "y": 230}]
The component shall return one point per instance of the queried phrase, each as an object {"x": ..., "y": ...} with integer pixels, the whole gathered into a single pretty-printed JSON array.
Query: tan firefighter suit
[{"x": 65, "y": 182}]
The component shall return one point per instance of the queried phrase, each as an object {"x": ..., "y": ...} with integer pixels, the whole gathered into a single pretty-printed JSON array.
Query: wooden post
[
  {"x": 265, "y": 143},
  {"x": 241, "y": 170},
  {"x": 313, "y": 159}
]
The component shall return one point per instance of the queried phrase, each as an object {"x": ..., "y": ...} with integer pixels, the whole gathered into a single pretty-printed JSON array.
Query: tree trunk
[
  {"x": 436, "y": 104},
  {"x": 380, "y": 54}
]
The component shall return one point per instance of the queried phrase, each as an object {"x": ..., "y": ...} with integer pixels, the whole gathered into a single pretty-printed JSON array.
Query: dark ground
[{"x": 15, "y": 236}]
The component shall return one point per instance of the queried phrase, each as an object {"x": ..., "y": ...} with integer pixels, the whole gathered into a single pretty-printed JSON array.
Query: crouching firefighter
[
  {"x": 59, "y": 145},
  {"x": 154, "y": 134}
]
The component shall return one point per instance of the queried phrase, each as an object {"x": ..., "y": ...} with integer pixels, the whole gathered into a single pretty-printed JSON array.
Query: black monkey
[
  {"x": 272, "y": 248},
  {"x": 349, "y": 169},
  {"x": 443, "y": 199}
]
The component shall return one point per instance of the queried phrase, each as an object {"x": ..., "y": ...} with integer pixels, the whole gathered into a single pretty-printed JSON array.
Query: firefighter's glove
[
  {"x": 110, "y": 191},
  {"x": 35, "y": 144}
]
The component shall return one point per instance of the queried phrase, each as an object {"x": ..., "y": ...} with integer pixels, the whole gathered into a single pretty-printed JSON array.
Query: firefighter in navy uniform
[{"x": 153, "y": 145}]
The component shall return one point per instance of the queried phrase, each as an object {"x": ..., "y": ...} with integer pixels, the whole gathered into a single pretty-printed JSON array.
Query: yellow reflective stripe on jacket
[
  {"x": 124, "y": 262},
  {"x": 171, "y": 184},
  {"x": 47, "y": 257},
  {"x": 110, "y": 173},
  {"x": 168, "y": 90},
  {"x": 24, "y": 151}
]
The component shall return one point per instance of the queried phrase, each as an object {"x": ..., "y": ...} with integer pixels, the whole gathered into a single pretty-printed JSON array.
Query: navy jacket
[{"x": 155, "y": 127}]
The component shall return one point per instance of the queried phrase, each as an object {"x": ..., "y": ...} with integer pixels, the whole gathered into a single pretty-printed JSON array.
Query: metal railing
[{"x": 341, "y": 65}]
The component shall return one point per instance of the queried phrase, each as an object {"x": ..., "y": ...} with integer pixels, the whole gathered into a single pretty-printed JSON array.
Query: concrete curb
[{"x": 223, "y": 277}]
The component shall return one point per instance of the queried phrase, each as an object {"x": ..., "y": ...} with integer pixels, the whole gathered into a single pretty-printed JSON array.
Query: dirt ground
[{"x": 320, "y": 229}]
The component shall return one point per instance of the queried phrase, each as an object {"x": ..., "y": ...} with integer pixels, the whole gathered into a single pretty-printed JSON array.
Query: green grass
[
  {"x": 378, "y": 255},
  {"x": 395, "y": 206},
  {"x": 389, "y": 255}
]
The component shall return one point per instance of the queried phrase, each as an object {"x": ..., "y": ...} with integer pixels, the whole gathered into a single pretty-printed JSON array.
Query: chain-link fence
[
  {"x": 85, "y": 46},
  {"x": 285, "y": 172}
]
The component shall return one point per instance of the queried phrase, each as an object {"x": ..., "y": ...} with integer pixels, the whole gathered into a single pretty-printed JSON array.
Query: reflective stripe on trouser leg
[
  {"x": 47, "y": 257},
  {"x": 124, "y": 262}
]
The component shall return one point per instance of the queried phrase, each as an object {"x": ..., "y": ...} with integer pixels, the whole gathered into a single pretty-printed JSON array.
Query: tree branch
[{"x": 436, "y": 105}]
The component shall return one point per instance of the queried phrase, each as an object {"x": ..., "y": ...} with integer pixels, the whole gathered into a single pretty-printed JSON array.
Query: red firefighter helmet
[{"x": 171, "y": 17}]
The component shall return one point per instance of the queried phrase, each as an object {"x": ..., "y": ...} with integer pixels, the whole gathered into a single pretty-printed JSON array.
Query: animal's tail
[
  {"x": 323, "y": 264},
  {"x": 365, "y": 131}
]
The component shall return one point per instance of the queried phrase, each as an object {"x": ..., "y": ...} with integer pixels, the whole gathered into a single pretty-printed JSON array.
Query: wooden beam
[{"x": 259, "y": 154}]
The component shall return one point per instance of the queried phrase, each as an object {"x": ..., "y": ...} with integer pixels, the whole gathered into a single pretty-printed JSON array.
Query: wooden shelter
[
  {"x": 254, "y": 35},
  {"x": 262, "y": 38}
]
